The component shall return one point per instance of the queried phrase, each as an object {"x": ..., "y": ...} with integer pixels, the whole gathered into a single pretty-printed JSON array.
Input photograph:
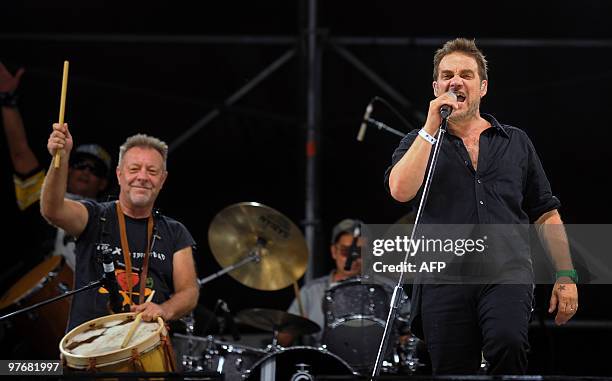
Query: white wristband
[{"x": 430, "y": 139}]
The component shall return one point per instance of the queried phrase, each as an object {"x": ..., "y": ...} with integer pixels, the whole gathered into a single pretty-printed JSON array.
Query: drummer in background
[
  {"x": 313, "y": 292},
  {"x": 157, "y": 250},
  {"x": 87, "y": 178}
]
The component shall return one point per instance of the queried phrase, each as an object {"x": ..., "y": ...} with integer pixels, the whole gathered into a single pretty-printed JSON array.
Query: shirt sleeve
[
  {"x": 94, "y": 211},
  {"x": 538, "y": 197},
  {"x": 398, "y": 154},
  {"x": 28, "y": 188},
  {"x": 182, "y": 236}
]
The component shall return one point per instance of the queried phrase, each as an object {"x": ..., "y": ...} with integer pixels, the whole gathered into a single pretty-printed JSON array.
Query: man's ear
[
  {"x": 484, "y": 86},
  {"x": 435, "y": 88}
]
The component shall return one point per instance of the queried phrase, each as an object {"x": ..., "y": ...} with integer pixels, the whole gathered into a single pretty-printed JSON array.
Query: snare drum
[
  {"x": 42, "y": 328},
  {"x": 355, "y": 317},
  {"x": 299, "y": 363},
  {"x": 96, "y": 346}
]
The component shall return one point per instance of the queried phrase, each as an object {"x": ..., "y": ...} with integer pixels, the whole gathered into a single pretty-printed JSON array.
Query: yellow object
[
  {"x": 27, "y": 191},
  {"x": 56, "y": 162}
]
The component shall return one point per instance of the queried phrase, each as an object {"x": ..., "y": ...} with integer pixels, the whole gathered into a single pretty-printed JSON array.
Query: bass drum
[{"x": 299, "y": 364}]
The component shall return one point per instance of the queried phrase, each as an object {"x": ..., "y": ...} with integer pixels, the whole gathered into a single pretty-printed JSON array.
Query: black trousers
[{"x": 463, "y": 322}]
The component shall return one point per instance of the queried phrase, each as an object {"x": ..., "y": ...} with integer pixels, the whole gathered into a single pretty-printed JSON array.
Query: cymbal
[
  {"x": 242, "y": 229},
  {"x": 271, "y": 320}
]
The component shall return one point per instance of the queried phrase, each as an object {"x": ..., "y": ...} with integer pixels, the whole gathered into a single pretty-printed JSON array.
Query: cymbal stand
[{"x": 253, "y": 256}]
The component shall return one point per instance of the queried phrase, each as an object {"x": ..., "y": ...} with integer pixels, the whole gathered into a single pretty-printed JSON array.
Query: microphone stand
[
  {"x": 382, "y": 126},
  {"x": 398, "y": 290},
  {"x": 353, "y": 254},
  {"x": 96, "y": 283}
]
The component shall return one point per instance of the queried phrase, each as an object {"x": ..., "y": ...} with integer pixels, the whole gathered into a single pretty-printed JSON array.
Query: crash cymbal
[
  {"x": 271, "y": 320},
  {"x": 246, "y": 228}
]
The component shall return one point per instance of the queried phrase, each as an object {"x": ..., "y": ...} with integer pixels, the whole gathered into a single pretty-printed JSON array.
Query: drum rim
[
  {"x": 247, "y": 372},
  {"x": 57, "y": 262},
  {"x": 341, "y": 321},
  {"x": 110, "y": 357}
]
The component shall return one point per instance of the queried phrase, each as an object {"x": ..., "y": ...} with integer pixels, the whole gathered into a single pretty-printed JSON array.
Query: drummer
[
  {"x": 155, "y": 251},
  {"x": 313, "y": 292}
]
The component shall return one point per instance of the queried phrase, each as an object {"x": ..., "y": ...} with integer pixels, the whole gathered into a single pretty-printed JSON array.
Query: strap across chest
[{"x": 127, "y": 255}]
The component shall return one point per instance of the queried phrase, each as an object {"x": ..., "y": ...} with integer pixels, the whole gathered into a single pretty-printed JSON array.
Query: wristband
[
  {"x": 430, "y": 139},
  {"x": 8, "y": 99},
  {"x": 572, "y": 274}
]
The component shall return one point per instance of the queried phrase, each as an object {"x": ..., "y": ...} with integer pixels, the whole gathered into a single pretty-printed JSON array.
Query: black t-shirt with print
[{"x": 101, "y": 233}]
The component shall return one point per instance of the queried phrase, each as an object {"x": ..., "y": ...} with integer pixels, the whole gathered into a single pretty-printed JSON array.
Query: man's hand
[
  {"x": 8, "y": 82},
  {"x": 564, "y": 299},
  {"x": 150, "y": 311},
  {"x": 60, "y": 139}
]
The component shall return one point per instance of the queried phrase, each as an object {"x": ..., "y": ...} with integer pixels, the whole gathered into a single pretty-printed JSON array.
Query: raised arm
[
  {"x": 23, "y": 159},
  {"x": 407, "y": 174},
  {"x": 67, "y": 214}
]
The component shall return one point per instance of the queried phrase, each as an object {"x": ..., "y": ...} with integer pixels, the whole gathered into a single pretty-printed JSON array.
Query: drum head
[{"x": 294, "y": 361}]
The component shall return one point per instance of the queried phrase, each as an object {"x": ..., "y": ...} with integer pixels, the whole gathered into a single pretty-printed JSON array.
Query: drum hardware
[
  {"x": 230, "y": 359},
  {"x": 408, "y": 357},
  {"x": 276, "y": 321},
  {"x": 189, "y": 360}
]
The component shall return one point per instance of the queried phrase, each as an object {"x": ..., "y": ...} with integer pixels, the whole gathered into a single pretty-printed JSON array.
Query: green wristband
[{"x": 572, "y": 274}]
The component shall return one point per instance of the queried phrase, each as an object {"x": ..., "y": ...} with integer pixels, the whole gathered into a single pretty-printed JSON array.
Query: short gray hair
[{"x": 145, "y": 141}]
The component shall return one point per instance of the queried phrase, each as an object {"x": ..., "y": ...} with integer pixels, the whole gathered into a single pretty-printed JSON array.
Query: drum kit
[{"x": 262, "y": 249}]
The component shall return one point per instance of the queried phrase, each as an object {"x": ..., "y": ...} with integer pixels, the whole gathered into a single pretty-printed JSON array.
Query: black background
[{"x": 255, "y": 150}]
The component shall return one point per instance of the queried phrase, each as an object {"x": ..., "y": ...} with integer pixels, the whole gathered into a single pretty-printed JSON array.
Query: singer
[
  {"x": 487, "y": 173},
  {"x": 155, "y": 251}
]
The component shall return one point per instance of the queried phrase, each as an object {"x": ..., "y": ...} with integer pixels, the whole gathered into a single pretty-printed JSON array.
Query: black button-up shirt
[{"x": 509, "y": 186}]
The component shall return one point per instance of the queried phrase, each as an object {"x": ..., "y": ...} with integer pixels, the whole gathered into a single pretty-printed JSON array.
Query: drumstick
[
  {"x": 56, "y": 161},
  {"x": 296, "y": 290},
  {"x": 136, "y": 323}
]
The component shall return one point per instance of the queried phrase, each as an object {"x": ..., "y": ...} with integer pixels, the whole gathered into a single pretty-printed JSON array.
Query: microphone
[
  {"x": 364, "y": 122},
  {"x": 353, "y": 253},
  {"x": 229, "y": 319},
  {"x": 446, "y": 110},
  {"x": 110, "y": 282}
]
